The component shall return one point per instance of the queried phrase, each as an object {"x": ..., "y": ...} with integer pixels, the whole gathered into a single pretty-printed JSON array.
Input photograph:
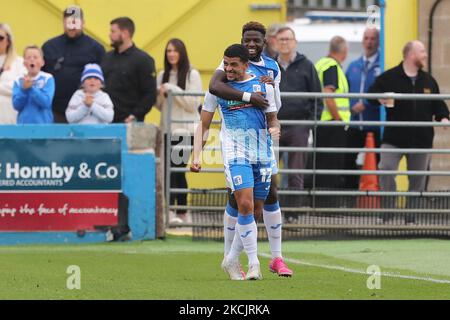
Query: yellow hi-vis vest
[{"x": 343, "y": 104}]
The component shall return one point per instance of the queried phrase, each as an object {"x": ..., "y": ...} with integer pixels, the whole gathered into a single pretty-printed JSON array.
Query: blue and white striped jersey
[{"x": 243, "y": 134}]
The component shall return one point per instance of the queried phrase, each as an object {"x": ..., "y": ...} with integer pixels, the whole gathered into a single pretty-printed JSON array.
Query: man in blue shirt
[
  {"x": 246, "y": 152},
  {"x": 361, "y": 74}
]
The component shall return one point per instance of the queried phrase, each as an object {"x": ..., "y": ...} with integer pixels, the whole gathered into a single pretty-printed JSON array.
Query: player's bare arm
[
  {"x": 200, "y": 138},
  {"x": 218, "y": 86},
  {"x": 274, "y": 125}
]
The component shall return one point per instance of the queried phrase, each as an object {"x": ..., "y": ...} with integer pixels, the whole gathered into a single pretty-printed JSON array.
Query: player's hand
[
  {"x": 267, "y": 80},
  {"x": 358, "y": 108},
  {"x": 195, "y": 166},
  {"x": 88, "y": 100},
  {"x": 27, "y": 83},
  {"x": 275, "y": 133},
  {"x": 259, "y": 101}
]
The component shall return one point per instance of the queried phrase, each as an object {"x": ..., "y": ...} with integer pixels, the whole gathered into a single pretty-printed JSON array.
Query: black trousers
[
  {"x": 330, "y": 137},
  {"x": 179, "y": 159},
  {"x": 295, "y": 136}
]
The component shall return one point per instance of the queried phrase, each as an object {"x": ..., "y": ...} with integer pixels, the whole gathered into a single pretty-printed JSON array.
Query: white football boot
[
  {"x": 254, "y": 272},
  {"x": 233, "y": 268}
]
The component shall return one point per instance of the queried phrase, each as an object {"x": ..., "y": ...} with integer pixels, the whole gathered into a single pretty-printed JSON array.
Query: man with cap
[
  {"x": 90, "y": 105},
  {"x": 65, "y": 57}
]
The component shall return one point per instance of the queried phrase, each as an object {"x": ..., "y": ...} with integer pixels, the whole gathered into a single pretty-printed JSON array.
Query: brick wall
[
  {"x": 441, "y": 71},
  {"x": 441, "y": 39}
]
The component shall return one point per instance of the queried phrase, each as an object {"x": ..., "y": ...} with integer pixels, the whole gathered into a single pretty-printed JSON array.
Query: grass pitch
[{"x": 178, "y": 268}]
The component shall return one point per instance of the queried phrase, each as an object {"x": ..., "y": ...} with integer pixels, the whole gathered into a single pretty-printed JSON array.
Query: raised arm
[
  {"x": 44, "y": 97},
  {"x": 76, "y": 109},
  {"x": 20, "y": 96}
]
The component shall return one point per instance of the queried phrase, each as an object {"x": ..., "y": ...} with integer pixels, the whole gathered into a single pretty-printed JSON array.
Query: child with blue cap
[{"x": 90, "y": 104}]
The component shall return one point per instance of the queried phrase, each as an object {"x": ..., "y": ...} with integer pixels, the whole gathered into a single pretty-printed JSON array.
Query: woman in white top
[
  {"x": 179, "y": 76},
  {"x": 11, "y": 68}
]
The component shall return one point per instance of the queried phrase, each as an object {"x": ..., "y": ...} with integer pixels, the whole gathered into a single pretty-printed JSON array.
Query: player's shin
[
  {"x": 248, "y": 232},
  {"x": 229, "y": 226},
  {"x": 236, "y": 248},
  {"x": 273, "y": 223}
]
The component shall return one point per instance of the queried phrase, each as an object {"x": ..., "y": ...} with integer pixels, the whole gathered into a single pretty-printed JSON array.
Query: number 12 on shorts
[{"x": 266, "y": 174}]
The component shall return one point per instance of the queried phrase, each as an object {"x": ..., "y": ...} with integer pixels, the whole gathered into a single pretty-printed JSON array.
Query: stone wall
[{"x": 441, "y": 71}]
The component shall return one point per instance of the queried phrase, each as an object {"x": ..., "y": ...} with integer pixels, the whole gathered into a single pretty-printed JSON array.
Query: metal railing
[{"x": 314, "y": 171}]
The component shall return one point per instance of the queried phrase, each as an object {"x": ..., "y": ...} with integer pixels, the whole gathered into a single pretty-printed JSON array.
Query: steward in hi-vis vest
[
  {"x": 342, "y": 104},
  {"x": 333, "y": 80}
]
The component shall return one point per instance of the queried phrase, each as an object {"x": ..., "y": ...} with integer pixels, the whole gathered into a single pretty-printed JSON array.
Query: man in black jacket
[
  {"x": 130, "y": 76},
  {"x": 65, "y": 57},
  {"x": 298, "y": 74},
  {"x": 408, "y": 77}
]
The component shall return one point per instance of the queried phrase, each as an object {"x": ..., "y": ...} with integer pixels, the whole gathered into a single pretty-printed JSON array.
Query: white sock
[
  {"x": 236, "y": 248},
  {"x": 273, "y": 223},
  {"x": 229, "y": 226},
  {"x": 248, "y": 232}
]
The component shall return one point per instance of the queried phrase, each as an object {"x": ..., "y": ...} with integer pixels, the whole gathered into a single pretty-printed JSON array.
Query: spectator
[
  {"x": 333, "y": 80},
  {"x": 271, "y": 47},
  {"x": 361, "y": 74},
  {"x": 409, "y": 77},
  {"x": 11, "y": 68},
  {"x": 129, "y": 74},
  {"x": 178, "y": 75},
  {"x": 33, "y": 94},
  {"x": 298, "y": 74},
  {"x": 65, "y": 57},
  {"x": 90, "y": 104}
]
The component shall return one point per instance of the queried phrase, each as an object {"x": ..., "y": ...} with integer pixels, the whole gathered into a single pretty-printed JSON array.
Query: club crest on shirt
[
  {"x": 40, "y": 83},
  {"x": 256, "y": 88}
]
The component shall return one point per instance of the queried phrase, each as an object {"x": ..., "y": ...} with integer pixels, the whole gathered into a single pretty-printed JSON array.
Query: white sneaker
[
  {"x": 254, "y": 272},
  {"x": 188, "y": 217},
  {"x": 233, "y": 269},
  {"x": 176, "y": 220}
]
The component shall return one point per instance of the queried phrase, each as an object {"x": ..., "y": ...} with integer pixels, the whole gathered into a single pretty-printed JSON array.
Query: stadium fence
[{"x": 324, "y": 213}]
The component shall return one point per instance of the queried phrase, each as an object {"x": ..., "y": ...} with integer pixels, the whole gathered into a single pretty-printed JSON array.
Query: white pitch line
[{"x": 385, "y": 274}]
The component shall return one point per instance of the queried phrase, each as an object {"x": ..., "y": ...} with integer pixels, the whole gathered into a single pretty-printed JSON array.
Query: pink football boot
[{"x": 278, "y": 266}]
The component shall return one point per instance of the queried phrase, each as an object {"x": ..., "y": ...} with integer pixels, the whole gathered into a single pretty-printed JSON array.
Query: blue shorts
[{"x": 242, "y": 175}]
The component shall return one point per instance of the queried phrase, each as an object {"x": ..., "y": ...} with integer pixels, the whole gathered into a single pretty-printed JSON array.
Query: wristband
[{"x": 246, "y": 97}]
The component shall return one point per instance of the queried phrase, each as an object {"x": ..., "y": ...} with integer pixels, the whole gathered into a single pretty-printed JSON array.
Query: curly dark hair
[
  {"x": 237, "y": 51},
  {"x": 254, "y": 26}
]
